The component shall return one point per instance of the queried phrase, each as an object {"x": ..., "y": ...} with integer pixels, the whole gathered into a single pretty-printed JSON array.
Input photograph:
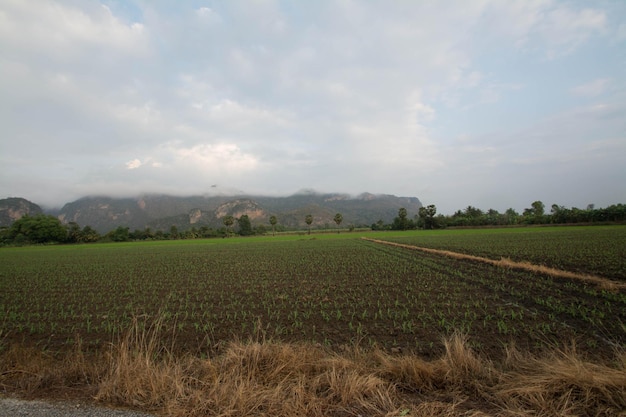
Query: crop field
[
  {"x": 331, "y": 290},
  {"x": 596, "y": 250}
]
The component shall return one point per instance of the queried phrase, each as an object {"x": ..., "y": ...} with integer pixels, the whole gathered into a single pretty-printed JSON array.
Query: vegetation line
[{"x": 603, "y": 283}]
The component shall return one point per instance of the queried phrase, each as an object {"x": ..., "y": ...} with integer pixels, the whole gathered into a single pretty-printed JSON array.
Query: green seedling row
[
  {"x": 596, "y": 250},
  {"x": 329, "y": 291}
]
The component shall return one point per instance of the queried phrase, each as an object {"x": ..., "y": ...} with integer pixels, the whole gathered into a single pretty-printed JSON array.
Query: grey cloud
[{"x": 276, "y": 97}]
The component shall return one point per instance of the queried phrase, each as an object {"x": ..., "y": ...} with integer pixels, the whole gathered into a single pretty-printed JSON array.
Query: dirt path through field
[{"x": 602, "y": 283}]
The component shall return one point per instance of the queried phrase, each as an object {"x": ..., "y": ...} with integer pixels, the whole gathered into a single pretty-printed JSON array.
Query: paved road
[{"x": 11, "y": 407}]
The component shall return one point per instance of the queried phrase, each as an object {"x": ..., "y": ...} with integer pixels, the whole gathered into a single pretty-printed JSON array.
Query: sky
[{"x": 493, "y": 104}]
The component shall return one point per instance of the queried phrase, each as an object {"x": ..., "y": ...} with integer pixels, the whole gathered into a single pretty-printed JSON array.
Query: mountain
[
  {"x": 12, "y": 209},
  {"x": 161, "y": 212},
  {"x": 105, "y": 213}
]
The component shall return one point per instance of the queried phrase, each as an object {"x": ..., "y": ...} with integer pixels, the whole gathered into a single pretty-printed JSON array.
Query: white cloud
[
  {"x": 207, "y": 158},
  {"x": 591, "y": 89},
  {"x": 134, "y": 164},
  {"x": 209, "y": 15},
  {"x": 566, "y": 29},
  {"x": 333, "y": 95},
  {"x": 551, "y": 27},
  {"x": 233, "y": 113},
  {"x": 419, "y": 111},
  {"x": 144, "y": 115},
  {"x": 66, "y": 31},
  {"x": 514, "y": 19}
]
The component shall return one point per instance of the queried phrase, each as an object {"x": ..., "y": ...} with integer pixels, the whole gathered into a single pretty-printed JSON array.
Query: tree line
[
  {"x": 536, "y": 214},
  {"x": 43, "y": 228}
]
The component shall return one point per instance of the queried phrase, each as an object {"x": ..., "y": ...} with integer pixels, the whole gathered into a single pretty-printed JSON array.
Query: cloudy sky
[{"x": 493, "y": 104}]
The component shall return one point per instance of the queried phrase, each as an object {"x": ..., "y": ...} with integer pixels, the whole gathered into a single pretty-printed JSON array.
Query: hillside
[
  {"x": 12, "y": 209},
  {"x": 160, "y": 212}
]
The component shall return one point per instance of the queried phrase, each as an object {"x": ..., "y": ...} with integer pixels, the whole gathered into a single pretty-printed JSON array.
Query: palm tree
[
  {"x": 401, "y": 222},
  {"x": 309, "y": 219},
  {"x": 228, "y": 222},
  {"x": 273, "y": 221},
  {"x": 338, "y": 219}
]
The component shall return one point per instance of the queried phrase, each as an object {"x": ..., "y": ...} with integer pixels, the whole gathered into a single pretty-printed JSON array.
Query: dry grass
[
  {"x": 602, "y": 283},
  {"x": 33, "y": 372},
  {"x": 266, "y": 378},
  {"x": 561, "y": 383}
]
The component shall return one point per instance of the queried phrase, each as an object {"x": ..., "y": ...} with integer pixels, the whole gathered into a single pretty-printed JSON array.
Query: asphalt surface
[{"x": 11, "y": 407}]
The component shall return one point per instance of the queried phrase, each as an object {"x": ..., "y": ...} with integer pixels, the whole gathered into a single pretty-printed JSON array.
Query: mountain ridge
[{"x": 162, "y": 211}]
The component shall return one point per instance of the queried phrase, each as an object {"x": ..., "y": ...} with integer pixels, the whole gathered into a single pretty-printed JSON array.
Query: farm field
[
  {"x": 596, "y": 250},
  {"x": 334, "y": 290}
]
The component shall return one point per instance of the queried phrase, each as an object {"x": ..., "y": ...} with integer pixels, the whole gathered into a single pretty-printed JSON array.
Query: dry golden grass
[
  {"x": 602, "y": 283},
  {"x": 561, "y": 383},
  {"x": 34, "y": 372},
  {"x": 266, "y": 378}
]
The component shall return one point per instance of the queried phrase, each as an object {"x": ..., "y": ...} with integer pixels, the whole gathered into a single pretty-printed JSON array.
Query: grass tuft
[
  {"x": 562, "y": 383},
  {"x": 260, "y": 377}
]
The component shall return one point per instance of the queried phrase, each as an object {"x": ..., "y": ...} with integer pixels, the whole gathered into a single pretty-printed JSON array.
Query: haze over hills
[{"x": 161, "y": 212}]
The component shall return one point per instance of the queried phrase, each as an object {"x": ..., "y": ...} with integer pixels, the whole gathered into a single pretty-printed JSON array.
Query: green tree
[
  {"x": 273, "y": 221},
  {"x": 245, "y": 226},
  {"x": 379, "y": 225},
  {"x": 559, "y": 214},
  {"x": 85, "y": 235},
  {"x": 137, "y": 234},
  {"x": 492, "y": 217},
  {"x": 120, "y": 234},
  {"x": 535, "y": 214},
  {"x": 427, "y": 216},
  {"x": 401, "y": 222},
  {"x": 338, "y": 219},
  {"x": 474, "y": 215},
  {"x": 206, "y": 231},
  {"x": 90, "y": 235},
  {"x": 74, "y": 234},
  {"x": 431, "y": 210},
  {"x": 228, "y": 222},
  {"x": 538, "y": 208},
  {"x": 308, "y": 219},
  {"x": 5, "y": 237},
  {"x": 511, "y": 216},
  {"x": 38, "y": 229}
]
